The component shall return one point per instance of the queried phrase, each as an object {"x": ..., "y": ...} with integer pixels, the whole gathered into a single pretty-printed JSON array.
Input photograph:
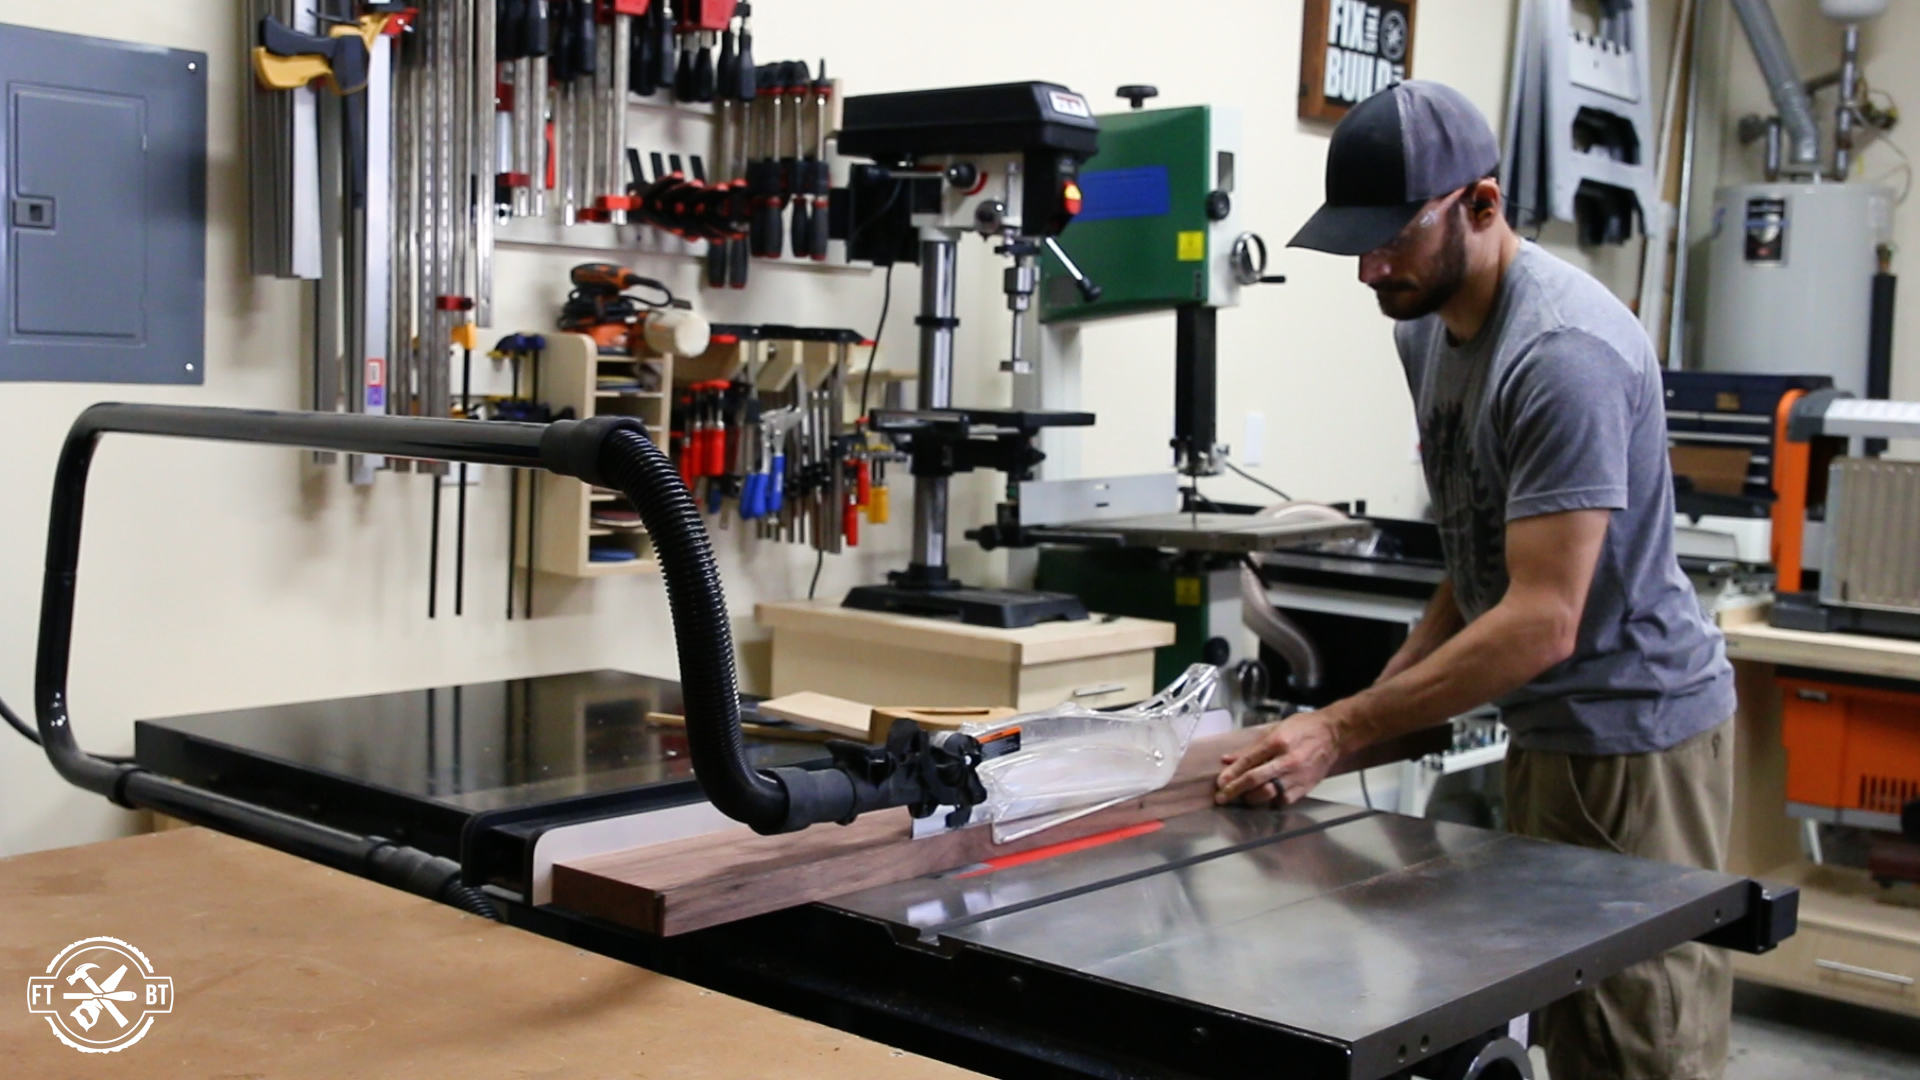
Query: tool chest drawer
[
  {"x": 1857, "y": 942},
  {"x": 1865, "y": 969}
]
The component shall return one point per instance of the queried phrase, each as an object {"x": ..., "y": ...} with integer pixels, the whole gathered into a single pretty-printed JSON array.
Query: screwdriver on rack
[
  {"x": 643, "y": 77},
  {"x": 794, "y": 81},
  {"x": 703, "y": 69},
  {"x": 797, "y": 170},
  {"x": 763, "y": 171},
  {"x": 725, "y": 115},
  {"x": 850, "y": 514},
  {"x": 744, "y": 88},
  {"x": 683, "y": 86},
  {"x": 816, "y": 247},
  {"x": 663, "y": 47},
  {"x": 879, "y": 503}
]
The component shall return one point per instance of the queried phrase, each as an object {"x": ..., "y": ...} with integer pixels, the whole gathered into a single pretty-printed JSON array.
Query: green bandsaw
[
  {"x": 1158, "y": 206},
  {"x": 1159, "y": 230}
]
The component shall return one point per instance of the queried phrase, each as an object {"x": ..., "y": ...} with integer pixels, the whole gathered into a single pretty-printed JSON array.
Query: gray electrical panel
[{"x": 103, "y": 154}]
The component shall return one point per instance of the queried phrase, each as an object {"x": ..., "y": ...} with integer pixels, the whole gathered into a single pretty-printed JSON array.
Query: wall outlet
[{"x": 1253, "y": 444}]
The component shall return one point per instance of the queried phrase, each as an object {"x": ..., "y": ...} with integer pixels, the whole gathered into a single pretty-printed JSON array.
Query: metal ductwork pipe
[{"x": 1783, "y": 82}]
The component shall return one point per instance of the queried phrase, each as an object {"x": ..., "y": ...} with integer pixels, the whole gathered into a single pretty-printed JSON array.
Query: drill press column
[{"x": 938, "y": 287}]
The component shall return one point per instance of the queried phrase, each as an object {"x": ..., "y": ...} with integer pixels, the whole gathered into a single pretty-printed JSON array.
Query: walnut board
[
  {"x": 686, "y": 885},
  {"x": 285, "y": 969}
]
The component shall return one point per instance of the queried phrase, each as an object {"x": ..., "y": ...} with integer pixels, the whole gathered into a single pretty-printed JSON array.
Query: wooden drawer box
[
  {"x": 900, "y": 660},
  {"x": 1850, "y": 946}
]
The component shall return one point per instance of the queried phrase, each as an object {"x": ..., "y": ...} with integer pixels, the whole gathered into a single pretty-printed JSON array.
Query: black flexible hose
[
  {"x": 431, "y": 876},
  {"x": 631, "y": 463},
  {"x": 470, "y": 900},
  {"x": 611, "y": 451},
  {"x": 28, "y": 733},
  {"x": 13, "y": 720}
]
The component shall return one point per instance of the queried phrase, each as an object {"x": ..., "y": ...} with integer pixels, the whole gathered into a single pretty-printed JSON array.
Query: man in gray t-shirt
[
  {"x": 1543, "y": 436},
  {"x": 1556, "y": 406}
]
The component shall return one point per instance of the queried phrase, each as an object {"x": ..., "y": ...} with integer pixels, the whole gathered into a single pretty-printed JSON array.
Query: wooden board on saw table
[
  {"x": 686, "y": 885},
  {"x": 935, "y": 719},
  {"x": 849, "y": 719},
  {"x": 844, "y": 718}
]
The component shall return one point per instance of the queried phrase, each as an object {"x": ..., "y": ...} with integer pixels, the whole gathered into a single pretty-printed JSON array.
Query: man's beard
[{"x": 1404, "y": 301}]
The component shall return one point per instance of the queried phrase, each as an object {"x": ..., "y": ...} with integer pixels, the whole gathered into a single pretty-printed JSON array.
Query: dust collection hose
[
  {"x": 612, "y": 451},
  {"x": 635, "y": 467}
]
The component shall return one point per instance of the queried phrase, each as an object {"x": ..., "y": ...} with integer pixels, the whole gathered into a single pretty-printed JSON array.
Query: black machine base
[
  {"x": 1804, "y": 611},
  {"x": 1004, "y": 609}
]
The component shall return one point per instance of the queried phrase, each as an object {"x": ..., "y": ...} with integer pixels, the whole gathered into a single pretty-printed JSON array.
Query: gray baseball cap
[{"x": 1389, "y": 155}]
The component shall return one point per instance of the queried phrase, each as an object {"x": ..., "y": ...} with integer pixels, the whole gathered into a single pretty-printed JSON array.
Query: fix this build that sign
[{"x": 1351, "y": 50}]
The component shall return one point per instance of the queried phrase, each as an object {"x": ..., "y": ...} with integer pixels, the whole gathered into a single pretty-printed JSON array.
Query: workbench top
[
  {"x": 284, "y": 969},
  {"x": 1750, "y": 638},
  {"x": 1046, "y": 643}
]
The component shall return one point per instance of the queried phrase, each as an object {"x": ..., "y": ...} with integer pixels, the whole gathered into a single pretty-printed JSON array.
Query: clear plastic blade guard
[{"x": 1073, "y": 760}]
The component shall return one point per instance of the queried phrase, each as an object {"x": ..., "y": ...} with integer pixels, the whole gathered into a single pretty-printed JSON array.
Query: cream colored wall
[{"x": 218, "y": 577}]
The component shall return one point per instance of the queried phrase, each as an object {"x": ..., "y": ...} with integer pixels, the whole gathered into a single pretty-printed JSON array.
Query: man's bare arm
[
  {"x": 1550, "y": 564},
  {"x": 1437, "y": 625}
]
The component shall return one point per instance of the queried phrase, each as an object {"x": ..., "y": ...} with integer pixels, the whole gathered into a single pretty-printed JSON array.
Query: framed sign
[{"x": 1351, "y": 50}]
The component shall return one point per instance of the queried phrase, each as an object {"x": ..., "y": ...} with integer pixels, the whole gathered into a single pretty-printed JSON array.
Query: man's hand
[
  {"x": 1289, "y": 761},
  {"x": 1550, "y": 567}
]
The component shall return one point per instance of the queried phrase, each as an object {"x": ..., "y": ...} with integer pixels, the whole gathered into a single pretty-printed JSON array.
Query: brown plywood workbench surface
[
  {"x": 284, "y": 969},
  {"x": 1749, "y": 637}
]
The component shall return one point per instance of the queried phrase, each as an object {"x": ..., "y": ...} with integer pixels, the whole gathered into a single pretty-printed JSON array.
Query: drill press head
[
  {"x": 995, "y": 158},
  {"x": 1002, "y": 161}
]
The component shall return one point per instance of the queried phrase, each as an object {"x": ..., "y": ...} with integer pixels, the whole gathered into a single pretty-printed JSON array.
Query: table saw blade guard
[{"x": 1073, "y": 761}]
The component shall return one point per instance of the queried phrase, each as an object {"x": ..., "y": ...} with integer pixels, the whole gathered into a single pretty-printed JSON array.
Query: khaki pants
[{"x": 1661, "y": 1019}]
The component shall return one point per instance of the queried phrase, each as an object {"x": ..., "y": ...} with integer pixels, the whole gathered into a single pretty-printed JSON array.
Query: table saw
[
  {"x": 1321, "y": 941},
  {"x": 1348, "y": 942}
]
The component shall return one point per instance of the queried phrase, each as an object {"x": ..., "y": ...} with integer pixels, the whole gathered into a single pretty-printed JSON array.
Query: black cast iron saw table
[
  {"x": 1324, "y": 940},
  {"x": 1340, "y": 941}
]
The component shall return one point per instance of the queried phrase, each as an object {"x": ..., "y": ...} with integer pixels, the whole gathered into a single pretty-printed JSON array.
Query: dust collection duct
[{"x": 1783, "y": 82}]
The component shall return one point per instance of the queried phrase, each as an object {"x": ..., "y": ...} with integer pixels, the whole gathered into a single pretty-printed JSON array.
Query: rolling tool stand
[{"x": 1003, "y": 162}]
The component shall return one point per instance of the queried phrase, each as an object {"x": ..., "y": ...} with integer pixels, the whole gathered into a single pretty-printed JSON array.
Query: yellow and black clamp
[{"x": 287, "y": 59}]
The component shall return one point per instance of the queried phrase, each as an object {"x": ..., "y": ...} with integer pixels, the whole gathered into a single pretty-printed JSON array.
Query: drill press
[{"x": 1002, "y": 162}]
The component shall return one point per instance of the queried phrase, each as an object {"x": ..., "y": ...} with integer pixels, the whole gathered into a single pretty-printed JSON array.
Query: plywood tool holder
[
  {"x": 563, "y": 532},
  {"x": 775, "y": 362}
]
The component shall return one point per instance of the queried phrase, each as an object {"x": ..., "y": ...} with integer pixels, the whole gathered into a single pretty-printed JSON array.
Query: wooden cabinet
[
  {"x": 573, "y": 373},
  {"x": 1857, "y": 941}
]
